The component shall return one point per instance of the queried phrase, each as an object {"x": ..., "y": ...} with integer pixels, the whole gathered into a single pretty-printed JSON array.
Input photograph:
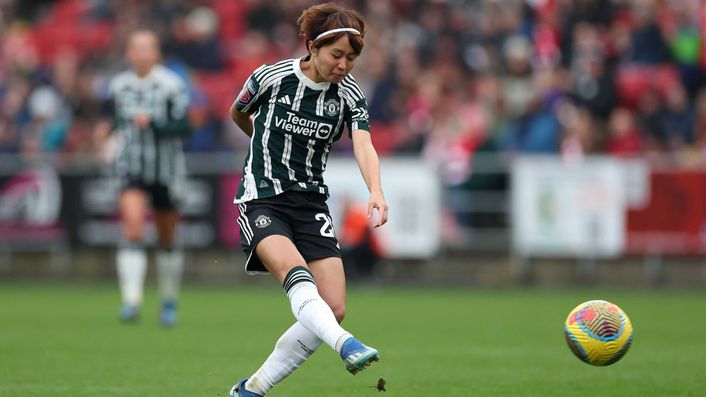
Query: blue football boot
[
  {"x": 129, "y": 313},
  {"x": 357, "y": 356},
  {"x": 168, "y": 315},
  {"x": 239, "y": 390}
]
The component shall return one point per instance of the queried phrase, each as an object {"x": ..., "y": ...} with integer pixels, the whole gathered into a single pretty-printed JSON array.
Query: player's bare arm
[
  {"x": 369, "y": 165},
  {"x": 242, "y": 120}
]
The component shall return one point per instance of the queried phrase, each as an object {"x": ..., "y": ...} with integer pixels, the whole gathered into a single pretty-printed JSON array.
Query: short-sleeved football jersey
[
  {"x": 295, "y": 122},
  {"x": 153, "y": 154}
]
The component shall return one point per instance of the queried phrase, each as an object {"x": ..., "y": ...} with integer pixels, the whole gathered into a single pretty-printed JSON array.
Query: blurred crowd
[{"x": 445, "y": 79}]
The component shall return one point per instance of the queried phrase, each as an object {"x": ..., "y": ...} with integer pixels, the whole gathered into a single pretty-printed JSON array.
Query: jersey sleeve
[
  {"x": 107, "y": 104},
  {"x": 357, "y": 117},
  {"x": 249, "y": 94},
  {"x": 108, "y": 109},
  {"x": 177, "y": 121}
]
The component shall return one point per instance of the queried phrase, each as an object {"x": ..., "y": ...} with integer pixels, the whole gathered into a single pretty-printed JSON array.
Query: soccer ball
[{"x": 598, "y": 332}]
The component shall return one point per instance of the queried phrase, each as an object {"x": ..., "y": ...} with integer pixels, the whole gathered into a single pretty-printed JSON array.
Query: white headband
[{"x": 328, "y": 32}]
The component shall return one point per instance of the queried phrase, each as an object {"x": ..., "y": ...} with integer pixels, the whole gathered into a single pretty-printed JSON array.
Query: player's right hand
[{"x": 142, "y": 120}]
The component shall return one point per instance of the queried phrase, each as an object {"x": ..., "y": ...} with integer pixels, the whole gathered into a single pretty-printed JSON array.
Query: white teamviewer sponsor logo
[{"x": 302, "y": 126}]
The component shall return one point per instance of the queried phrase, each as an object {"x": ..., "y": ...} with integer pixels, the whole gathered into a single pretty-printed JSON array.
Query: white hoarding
[
  {"x": 575, "y": 209},
  {"x": 413, "y": 193}
]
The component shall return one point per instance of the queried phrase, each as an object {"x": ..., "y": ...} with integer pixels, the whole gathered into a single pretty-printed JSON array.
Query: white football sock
[
  {"x": 132, "y": 264},
  {"x": 291, "y": 350},
  {"x": 311, "y": 310},
  {"x": 170, "y": 265}
]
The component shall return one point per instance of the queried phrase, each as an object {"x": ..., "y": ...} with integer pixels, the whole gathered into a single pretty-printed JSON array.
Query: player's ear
[{"x": 310, "y": 46}]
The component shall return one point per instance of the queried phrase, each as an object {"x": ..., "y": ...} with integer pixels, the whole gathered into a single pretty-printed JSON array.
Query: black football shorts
[
  {"x": 301, "y": 216},
  {"x": 159, "y": 194}
]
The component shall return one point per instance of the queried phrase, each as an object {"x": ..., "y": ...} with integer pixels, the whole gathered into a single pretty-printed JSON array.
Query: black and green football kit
[
  {"x": 295, "y": 122},
  {"x": 151, "y": 158}
]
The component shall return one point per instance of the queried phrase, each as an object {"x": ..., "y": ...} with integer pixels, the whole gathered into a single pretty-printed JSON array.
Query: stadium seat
[
  {"x": 220, "y": 88},
  {"x": 633, "y": 80}
]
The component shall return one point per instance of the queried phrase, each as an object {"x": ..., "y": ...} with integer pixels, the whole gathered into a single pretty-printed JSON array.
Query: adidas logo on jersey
[
  {"x": 285, "y": 100},
  {"x": 263, "y": 184}
]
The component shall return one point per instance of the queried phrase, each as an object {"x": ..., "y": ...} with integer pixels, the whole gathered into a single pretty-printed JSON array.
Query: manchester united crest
[
  {"x": 263, "y": 221},
  {"x": 332, "y": 107}
]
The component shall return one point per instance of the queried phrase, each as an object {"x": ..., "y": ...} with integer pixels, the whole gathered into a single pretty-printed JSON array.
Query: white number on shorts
[{"x": 327, "y": 228}]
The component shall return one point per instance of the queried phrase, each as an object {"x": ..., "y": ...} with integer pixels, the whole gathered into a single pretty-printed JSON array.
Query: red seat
[
  {"x": 384, "y": 137},
  {"x": 68, "y": 12},
  {"x": 220, "y": 88},
  {"x": 633, "y": 80},
  {"x": 231, "y": 14}
]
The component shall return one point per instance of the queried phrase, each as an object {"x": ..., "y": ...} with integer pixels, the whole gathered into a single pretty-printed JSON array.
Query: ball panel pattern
[{"x": 598, "y": 332}]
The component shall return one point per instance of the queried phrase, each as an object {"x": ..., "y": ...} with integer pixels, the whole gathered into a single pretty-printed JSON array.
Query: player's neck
[
  {"x": 143, "y": 72},
  {"x": 309, "y": 69}
]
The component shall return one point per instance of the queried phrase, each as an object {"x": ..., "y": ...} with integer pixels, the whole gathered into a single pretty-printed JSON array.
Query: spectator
[
  {"x": 700, "y": 122},
  {"x": 684, "y": 36},
  {"x": 593, "y": 85},
  {"x": 624, "y": 139},
  {"x": 677, "y": 119},
  {"x": 50, "y": 115},
  {"x": 196, "y": 39},
  {"x": 649, "y": 119},
  {"x": 423, "y": 49},
  {"x": 531, "y": 125},
  {"x": 647, "y": 44}
]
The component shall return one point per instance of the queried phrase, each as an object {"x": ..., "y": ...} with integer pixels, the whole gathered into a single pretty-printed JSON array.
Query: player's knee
[
  {"x": 166, "y": 241},
  {"x": 339, "y": 311},
  {"x": 133, "y": 233}
]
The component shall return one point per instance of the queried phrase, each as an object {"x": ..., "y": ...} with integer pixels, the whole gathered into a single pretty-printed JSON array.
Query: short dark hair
[{"x": 324, "y": 17}]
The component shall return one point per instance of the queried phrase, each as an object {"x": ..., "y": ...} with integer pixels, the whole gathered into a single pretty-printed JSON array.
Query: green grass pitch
[{"x": 65, "y": 340}]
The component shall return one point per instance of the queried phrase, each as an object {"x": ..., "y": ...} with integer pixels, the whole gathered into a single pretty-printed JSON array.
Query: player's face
[
  {"x": 334, "y": 61},
  {"x": 143, "y": 51}
]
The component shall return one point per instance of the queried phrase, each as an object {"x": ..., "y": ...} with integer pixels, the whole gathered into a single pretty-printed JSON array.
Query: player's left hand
[
  {"x": 142, "y": 120},
  {"x": 377, "y": 202}
]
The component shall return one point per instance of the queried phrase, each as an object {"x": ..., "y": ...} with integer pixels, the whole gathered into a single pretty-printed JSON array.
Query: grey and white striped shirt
[{"x": 153, "y": 154}]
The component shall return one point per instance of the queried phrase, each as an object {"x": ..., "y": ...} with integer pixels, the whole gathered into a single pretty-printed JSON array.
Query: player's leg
[
  {"x": 267, "y": 239},
  {"x": 316, "y": 240},
  {"x": 131, "y": 258},
  {"x": 283, "y": 259},
  {"x": 308, "y": 306},
  {"x": 170, "y": 264},
  {"x": 257, "y": 220},
  {"x": 331, "y": 279},
  {"x": 294, "y": 347},
  {"x": 169, "y": 256},
  {"x": 297, "y": 344},
  {"x": 280, "y": 256}
]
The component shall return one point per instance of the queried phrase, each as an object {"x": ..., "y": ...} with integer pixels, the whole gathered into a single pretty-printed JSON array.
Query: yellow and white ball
[{"x": 598, "y": 332}]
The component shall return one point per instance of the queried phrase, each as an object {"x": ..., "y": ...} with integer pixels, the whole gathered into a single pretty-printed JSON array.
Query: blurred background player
[
  {"x": 149, "y": 106},
  {"x": 293, "y": 111}
]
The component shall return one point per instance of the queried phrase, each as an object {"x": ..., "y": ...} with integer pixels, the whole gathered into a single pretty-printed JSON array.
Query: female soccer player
[
  {"x": 293, "y": 111},
  {"x": 149, "y": 109}
]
